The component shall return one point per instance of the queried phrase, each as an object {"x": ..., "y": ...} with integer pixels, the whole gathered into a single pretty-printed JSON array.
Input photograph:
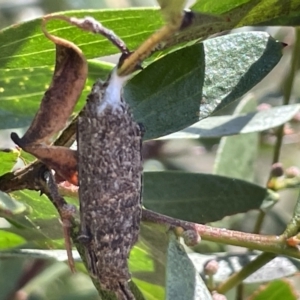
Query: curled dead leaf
[{"x": 57, "y": 105}]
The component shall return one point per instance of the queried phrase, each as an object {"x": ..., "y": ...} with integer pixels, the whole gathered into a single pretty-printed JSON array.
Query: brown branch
[
  {"x": 266, "y": 243},
  {"x": 29, "y": 176}
]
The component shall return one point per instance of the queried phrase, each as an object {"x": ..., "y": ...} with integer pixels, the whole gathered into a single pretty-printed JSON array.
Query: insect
[{"x": 110, "y": 183}]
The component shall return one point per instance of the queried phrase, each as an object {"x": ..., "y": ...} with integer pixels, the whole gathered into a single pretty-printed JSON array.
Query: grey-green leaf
[
  {"x": 183, "y": 281},
  {"x": 236, "y": 155},
  {"x": 10, "y": 205},
  {"x": 233, "y": 65},
  {"x": 199, "y": 198},
  {"x": 229, "y": 264},
  {"x": 166, "y": 96},
  {"x": 213, "y": 127}
]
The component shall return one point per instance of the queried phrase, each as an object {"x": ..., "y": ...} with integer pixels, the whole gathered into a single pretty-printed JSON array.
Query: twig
[
  {"x": 246, "y": 271},
  {"x": 146, "y": 48},
  {"x": 91, "y": 25},
  {"x": 66, "y": 212},
  {"x": 266, "y": 243},
  {"x": 287, "y": 86},
  {"x": 293, "y": 227}
]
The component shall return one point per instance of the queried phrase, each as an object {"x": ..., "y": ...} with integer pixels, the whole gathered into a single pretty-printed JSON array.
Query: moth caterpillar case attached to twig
[
  {"x": 110, "y": 183},
  {"x": 110, "y": 167}
]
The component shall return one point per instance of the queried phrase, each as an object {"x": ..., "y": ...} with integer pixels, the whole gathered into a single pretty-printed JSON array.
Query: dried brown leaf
[{"x": 56, "y": 107}]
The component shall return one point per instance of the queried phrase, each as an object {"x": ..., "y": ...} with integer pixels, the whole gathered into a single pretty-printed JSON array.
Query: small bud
[
  {"x": 292, "y": 172},
  {"x": 263, "y": 106},
  {"x": 211, "y": 267},
  {"x": 277, "y": 170},
  {"x": 21, "y": 295},
  {"x": 217, "y": 296},
  {"x": 191, "y": 237},
  {"x": 293, "y": 241},
  {"x": 296, "y": 117},
  {"x": 287, "y": 129}
]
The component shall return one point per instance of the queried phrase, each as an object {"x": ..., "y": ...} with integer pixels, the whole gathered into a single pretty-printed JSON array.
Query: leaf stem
[
  {"x": 294, "y": 225},
  {"x": 246, "y": 271},
  {"x": 259, "y": 221},
  {"x": 287, "y": 87}
]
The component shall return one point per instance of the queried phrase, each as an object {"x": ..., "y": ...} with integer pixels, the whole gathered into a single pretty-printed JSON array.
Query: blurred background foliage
[{"x": 24, "y": 278}]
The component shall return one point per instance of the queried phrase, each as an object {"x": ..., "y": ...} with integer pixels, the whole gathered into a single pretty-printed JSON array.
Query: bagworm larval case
[{"x": 110, "y": 183}]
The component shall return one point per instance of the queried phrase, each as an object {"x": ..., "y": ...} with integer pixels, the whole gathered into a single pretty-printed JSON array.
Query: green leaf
[
  {"x": 10, "y": 240},
  {"x": 25, "y": 46},
  {"x": 183, "y": 281},
  {"x": 199, "y": 198},
  {"x": 215, "y": 16},
  {"x": 147, "y": 261},
  {"x": 11, "y": 271},
  {"x": 59, "y": 255},
  {"x": 233, "y": 65},
  {"x": 171, "y": 9},
  {"x": 23, "y": 88},
  {"x": 278, "y": 289},
  {"x": 270, "y": 200},
  {"x": 8, "y": 159},
  {"x": 165, "y": 96},
  {"x": 213, "y": 127},
  {"x": 251, "y": 12},
  {"x": 40, "y": 205},
  {"x": 236, "y": 155},
  {"x": 8, "y": 205},
  {"x": 150, "y": 291},
  {"x": 41, "y": 223},
  {"x": 22, "y": 91},
  {"x": 139, "y": 260}
]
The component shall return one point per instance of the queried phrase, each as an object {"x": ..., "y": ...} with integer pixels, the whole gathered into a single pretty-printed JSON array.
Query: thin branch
[
  {"x": 266, "y": 243},
  {"x": 91, "y": 25},
  {"x": 66, "y": 212},
  {"x": 147, "y": 47},
  {"x": 293, "y": 227},
  {"x": 287, "y": 87},
  {"x": 246, "y": 271}
]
